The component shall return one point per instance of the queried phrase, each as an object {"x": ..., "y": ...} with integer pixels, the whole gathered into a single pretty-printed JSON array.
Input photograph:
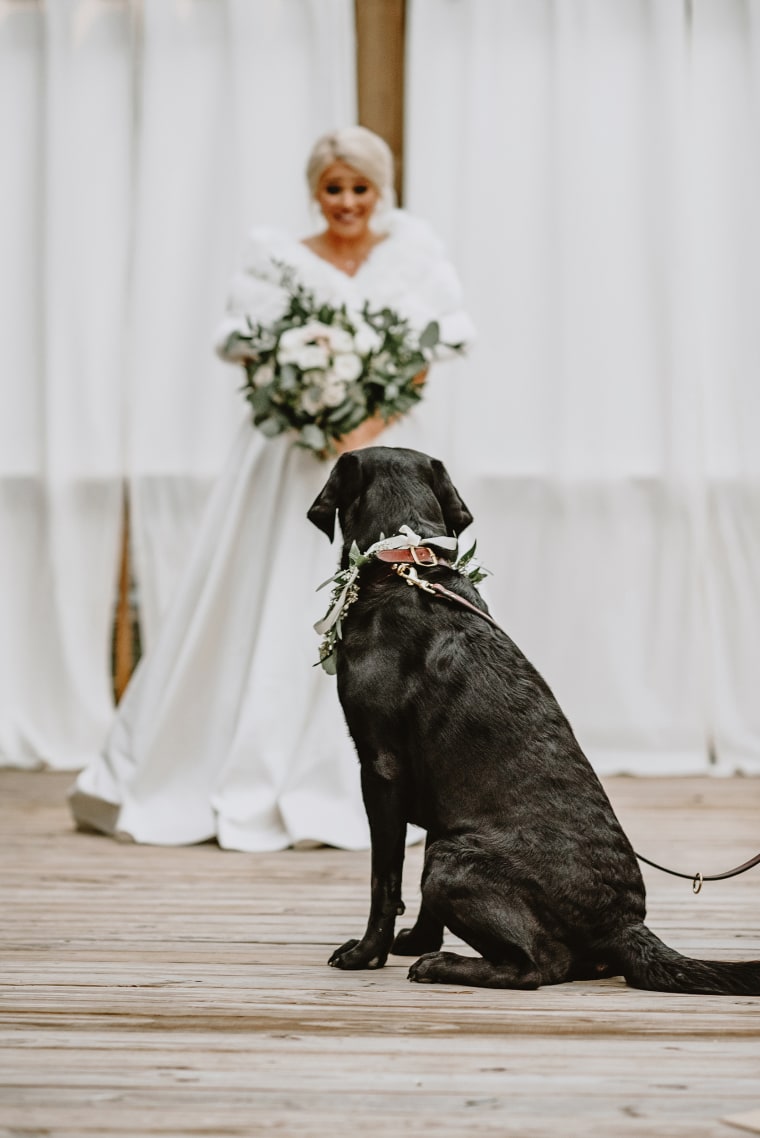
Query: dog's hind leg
[
  {"x": 425, "y": 935},
  {"x": 506, "y": 960},
  {"x": 470, "y": 891},
  {"x": 450, "y": 968}
]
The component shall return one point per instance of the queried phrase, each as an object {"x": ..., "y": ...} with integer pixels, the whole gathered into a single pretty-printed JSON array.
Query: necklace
[
  {"x": 349, "y": 262},
  {"x": 349, "y": 265}
]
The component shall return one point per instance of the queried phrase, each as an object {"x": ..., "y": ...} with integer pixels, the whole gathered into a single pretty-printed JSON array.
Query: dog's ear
[
  {"x": 455, "y": 513},
  {"x": 341, "y": 486},
  {"x": 322, "y": 510}
]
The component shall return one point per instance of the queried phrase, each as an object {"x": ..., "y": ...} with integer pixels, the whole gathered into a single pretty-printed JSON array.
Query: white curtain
[
  {"x": 65, "y": 174},
  {"x": 595, "y": 170},
  {"x": 231, "y": 96},
  {"x": 138, "y": 142}
]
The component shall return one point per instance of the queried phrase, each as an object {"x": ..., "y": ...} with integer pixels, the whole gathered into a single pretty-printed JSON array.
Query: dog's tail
[{"x": 646, "y": 962}]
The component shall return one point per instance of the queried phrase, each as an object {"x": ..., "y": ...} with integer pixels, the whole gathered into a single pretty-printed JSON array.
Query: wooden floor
[{"x": 181, "y": 992}]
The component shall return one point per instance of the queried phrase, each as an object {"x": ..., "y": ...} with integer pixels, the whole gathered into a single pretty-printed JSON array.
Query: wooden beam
[
  {"x": 380, "y": 49},
  {"x": 123, "y": 633}
]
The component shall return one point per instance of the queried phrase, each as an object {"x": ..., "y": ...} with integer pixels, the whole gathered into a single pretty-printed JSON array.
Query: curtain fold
[
  {"x": 597, "y": 183},
  {"x": 139, "y": 142},
  {"x": 231, "y": 97},
  {"x": 66, "y": 116}
]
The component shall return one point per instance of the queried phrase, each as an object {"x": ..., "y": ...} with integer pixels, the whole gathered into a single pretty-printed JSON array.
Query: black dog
[{"x": 458, "y": 733}]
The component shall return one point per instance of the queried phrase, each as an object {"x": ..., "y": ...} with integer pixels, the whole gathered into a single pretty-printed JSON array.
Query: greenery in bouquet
[{"x": 322, "y": 369}]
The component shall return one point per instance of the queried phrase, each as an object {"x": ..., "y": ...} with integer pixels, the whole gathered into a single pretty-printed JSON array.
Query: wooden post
[
  {"x": 123, "y": 638},
  {"x": 380, "y": 49}
]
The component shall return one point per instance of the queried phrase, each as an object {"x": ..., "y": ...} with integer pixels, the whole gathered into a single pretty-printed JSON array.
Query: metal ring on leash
[{"x": 698, "y": 879}]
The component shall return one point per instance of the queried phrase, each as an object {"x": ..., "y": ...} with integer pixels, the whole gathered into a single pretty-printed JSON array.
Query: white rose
[
  {"x": 334, "y": 392},
  {"x": 347, "y": 366},
  {"x": 291, "y": 341},
  {"x": 311, "y": 356},
  {"x": 315, "y": 331},
  {"x": 263, "y": 375},
  {"x": 366, "y": 339},
  {"x": 340, "y": 340}
]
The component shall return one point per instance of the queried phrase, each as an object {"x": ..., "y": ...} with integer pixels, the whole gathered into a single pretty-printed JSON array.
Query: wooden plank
[
  {"x": 749, "y": 1121},
  {"x": 149, "y": 991}
]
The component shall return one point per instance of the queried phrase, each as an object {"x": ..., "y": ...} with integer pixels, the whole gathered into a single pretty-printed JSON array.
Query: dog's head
[{"x": 379, "y": 489}]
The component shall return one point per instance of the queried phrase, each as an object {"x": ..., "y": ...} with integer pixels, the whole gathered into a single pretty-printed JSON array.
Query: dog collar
[{"x": 422, "y": 555}]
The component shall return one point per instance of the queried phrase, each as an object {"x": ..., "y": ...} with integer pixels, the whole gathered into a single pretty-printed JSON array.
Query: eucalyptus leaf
[
  {"x": 313, "y": 437},
  {"x": 341, "y": 412},
  {"x": 288, "y": 377},
  {"x": 271, "y": 427},
  {"x": 354, "y": 420},
  {"x": 260, "y": 401},
  {"x": 431, "y": 335}
]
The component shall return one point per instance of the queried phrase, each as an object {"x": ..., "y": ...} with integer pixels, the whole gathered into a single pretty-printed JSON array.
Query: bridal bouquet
[{"x": 322, "y": 369}]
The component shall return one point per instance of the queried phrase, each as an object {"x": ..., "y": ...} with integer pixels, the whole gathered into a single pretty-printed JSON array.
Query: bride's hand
[
  {"x": 368, "y": 431},
  {"x": 361, "y": 436}
]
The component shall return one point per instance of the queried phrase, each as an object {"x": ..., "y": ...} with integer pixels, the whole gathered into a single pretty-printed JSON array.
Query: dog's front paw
[
  {"x": 428, "y": 969},
  {"x": 415, "y": 941},
  {"x": 333, "y": 961},
  {"x": 357, "y": 954}
]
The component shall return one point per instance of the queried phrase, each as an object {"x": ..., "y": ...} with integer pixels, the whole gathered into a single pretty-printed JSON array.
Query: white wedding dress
[{"x": 228, "y": 730}]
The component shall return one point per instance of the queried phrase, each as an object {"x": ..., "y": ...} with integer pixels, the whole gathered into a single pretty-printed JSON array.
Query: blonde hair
[{"x": 366, "y": 151}]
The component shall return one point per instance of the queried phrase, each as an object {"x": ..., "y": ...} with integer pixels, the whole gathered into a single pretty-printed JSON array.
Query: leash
[
  {"x": 697, "y": 879},
  {"x": 404, "y": 562}
]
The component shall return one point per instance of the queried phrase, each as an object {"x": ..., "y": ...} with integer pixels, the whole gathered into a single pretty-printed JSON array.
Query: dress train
[{"x": 227, "y": 729}]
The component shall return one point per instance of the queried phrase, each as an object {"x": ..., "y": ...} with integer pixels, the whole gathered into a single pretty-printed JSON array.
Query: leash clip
[{"x": 409, "y": 574}]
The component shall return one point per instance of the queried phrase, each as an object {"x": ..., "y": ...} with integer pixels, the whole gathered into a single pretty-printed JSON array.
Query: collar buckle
[{"x": 423, "y": 556}]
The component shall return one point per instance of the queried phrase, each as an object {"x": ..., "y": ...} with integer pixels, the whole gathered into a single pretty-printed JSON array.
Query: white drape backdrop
[
  {"x": 595, "y": 170},
  {"x": 232, "y": 95},
  {"x": 65, "y": 170},
  {"x": 138, "y": 142}
]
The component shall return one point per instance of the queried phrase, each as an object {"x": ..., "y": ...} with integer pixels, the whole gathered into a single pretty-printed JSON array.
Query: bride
[{"x": 227, "y": 730}]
